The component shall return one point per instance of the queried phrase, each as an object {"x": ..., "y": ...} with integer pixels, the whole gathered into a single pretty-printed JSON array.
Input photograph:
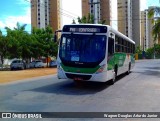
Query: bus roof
[
  {"x": 120, "y": 34},
  {"x": 93, "y": 28}
]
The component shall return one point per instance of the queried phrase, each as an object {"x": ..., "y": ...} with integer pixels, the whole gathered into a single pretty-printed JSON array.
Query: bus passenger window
[{"x": 110, "y": 46}]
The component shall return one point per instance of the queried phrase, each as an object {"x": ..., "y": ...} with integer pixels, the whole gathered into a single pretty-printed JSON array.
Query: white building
[{"x": 147, "y": 40}]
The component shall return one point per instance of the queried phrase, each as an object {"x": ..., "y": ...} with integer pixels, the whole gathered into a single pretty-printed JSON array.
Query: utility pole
[{"x": 93, "y": 4}]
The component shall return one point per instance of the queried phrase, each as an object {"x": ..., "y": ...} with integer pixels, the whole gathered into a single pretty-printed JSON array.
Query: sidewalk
[{"x": 10, "y": 76}]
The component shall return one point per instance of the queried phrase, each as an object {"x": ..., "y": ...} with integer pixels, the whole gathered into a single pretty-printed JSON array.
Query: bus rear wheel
[
  {"x": 129, "y": 69},
  {"x": 113, "y": 79},
  {"x": 114, "y": 75}
]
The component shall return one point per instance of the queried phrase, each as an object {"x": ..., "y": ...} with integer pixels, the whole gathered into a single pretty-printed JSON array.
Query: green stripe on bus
[
  {"x": 119, "y": 59},
  {"x": 79, "y": 70}
]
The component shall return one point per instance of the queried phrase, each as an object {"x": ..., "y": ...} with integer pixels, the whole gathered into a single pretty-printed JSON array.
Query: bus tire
[
  {"x": 113, "y": 79},
  {"x": 129, "y": 69},
  {"x": 114, "y": 75}
]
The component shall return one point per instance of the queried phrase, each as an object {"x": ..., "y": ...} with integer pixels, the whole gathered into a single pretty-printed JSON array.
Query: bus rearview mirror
[{"x": 55, "y": 38}]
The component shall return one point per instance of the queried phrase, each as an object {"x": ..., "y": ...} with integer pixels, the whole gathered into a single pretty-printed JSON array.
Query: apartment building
[
  {"x": 144, "y": 30},
  {"x": 147, "y": 39},
  {"x": 129, "y": 19},
  {"x": 101, "y": 9},
  {"x": 46, "y": 12}
]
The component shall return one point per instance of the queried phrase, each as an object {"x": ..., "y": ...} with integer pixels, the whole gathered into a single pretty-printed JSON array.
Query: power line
[
  {"x": 60, "y": 11},
  {"x": 69, "y": 12}
]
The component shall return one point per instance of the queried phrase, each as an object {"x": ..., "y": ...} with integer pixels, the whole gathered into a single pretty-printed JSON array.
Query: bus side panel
[{"x": 122, "y": 61}]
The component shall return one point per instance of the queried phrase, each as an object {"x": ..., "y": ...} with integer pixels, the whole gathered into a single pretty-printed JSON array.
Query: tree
[
  {"x": 89, "y": 19},
  {"x": 45, "y": 45},
  {"x": 37, "y": 45},
  {"x": 102, "y": 22},
  {"x": 4, "y": 43},
  {"x": 84, "y": 19},
  {"x": 138, "y": 50},
  {"x": 13, "y": 44},
  {"x": 156, "y": 28},
  {"x": 156, "y": 49},
  {"x": 19, "y": 42},
  {"x": 73, "y": 21},
  {"x": 50, "y": 45}
]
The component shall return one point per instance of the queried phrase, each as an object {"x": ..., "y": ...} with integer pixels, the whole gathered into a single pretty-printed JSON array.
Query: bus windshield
[{"x": 82, "y": 49}]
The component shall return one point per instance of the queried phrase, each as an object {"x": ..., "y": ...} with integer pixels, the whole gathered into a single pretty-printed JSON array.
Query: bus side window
[{"x": 110, "y": 46}]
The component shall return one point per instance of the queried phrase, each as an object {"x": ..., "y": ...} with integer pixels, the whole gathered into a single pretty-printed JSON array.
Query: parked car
[
  {"x": 53, "y": 63},
  {"x": 39, "y": 64},
  {"x": 18, "y": 64},
  {"x": 32, "y": 64},
  {"x": 36, "y": 64}
]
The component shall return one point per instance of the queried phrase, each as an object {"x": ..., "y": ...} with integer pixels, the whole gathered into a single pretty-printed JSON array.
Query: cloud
[
  {"x": 2, "y": 25},
  {"x": 11, "y": 21},
  {"x": 23, "y": 2},
  {"x": 143, "y": 4}
]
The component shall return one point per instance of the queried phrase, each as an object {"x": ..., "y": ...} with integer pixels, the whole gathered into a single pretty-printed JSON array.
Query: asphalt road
[{"x": 137, "y": 92}]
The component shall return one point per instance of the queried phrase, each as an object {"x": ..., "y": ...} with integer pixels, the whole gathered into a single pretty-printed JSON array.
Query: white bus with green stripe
[{"x": 93, "y": 53}]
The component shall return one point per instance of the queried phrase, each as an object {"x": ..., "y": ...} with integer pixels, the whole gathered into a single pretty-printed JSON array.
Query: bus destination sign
[{"x": 85, "y": 29}]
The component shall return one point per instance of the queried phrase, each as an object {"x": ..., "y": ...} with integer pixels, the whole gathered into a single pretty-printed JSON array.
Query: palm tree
[
  {"x": 4, "y": 45},
  {"x": 20, "y": 42},
  {"x": 156, "y": 27}
]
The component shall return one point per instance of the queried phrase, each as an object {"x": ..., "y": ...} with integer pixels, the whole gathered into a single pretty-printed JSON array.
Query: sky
[{"x": 13, "y": 11}]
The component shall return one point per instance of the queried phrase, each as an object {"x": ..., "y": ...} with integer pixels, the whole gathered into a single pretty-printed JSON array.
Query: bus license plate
[{"x": 78, "y": 79}]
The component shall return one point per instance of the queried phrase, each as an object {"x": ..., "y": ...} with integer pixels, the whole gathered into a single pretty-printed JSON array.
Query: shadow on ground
[{"x": 69, "y": 87}]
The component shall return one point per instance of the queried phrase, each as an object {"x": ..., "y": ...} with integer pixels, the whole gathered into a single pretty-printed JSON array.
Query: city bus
[{"x": 93, "y": 52}]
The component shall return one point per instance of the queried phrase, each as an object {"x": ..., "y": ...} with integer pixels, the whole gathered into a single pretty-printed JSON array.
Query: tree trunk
[
  {"x": 2, "y": 60},
  {"x": 47, "y": 61}
]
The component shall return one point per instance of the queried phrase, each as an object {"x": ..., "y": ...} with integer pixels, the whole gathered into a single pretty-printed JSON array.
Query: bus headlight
[{"x": 101, "y": 69}]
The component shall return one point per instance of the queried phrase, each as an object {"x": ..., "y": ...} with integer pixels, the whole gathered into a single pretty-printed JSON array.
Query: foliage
[
  {"x": 46, "y": 47},
  {"x": 138, "y": 50},
  {"x": 102, "y": 22},
  {"x": 156, "y": 49},
  {"x": 4, "y": 44},
  {"x": 20, "y": 44},
  {"x": 156, "y": 21},
  {"x": 156, "y": 30},
  {"x": 73, "y": 21},
  {"x": 89, "y": 19}
]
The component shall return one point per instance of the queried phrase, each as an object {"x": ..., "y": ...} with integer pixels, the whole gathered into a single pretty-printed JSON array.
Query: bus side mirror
[
  {"x": 55, "y": 38},
  {"x": 55, "y": 35}
]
